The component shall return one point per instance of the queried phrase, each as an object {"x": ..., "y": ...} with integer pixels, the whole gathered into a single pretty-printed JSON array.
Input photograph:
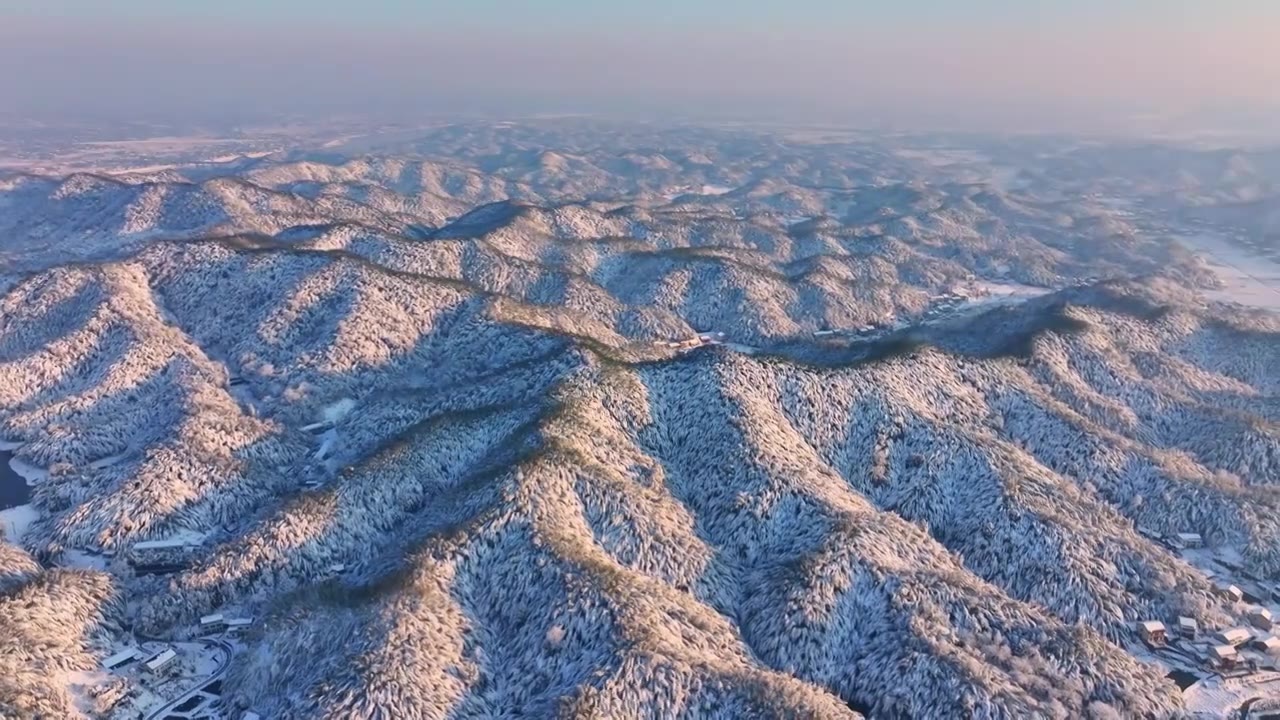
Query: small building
[
  {"x": 1228, "y": 562},
  {"x": 1148, "y": 533},
  {"x": 1261, "y": 618},
  {"x": 236, "y": 623},
  {"x": 120, "y": 659},
  {"x": 338, "y": 568},
  {"x": 1224, "y": 656},
  {"x": 1153, "y": 632},
  {"x": 211, "y": 620},
  {"x": 166, "y": 544},
  {"x": 1234, "y": 636},
  {"x": 1269, "y": 644},
  {"x": 1230, "y": 592},
  {"x": 1189, "y": 541},
  {"x": 1188, "y": 628},
  {"x": 161, "y": 659}
]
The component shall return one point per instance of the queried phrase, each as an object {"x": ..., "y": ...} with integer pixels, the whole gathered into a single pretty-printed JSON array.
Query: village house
[
  {"x": 1224, "y": 656},
  {"x": 161, "y": 660},
  {"x": 1261, "y": 618},
  {"x": 1230, "y": 592},
  {"x": 1269, "y": 645},
  {"x": 1234, "y": 636},
  {"x": 1188, "y": 628},
  {"x": 1153, "y": 632}
]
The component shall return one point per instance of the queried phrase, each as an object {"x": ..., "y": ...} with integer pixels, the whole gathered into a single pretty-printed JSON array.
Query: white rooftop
[
  {"x": 159, "y": 661},
  {"x": 119, "y": 658},
  {"x": 1234, "y": 635}
]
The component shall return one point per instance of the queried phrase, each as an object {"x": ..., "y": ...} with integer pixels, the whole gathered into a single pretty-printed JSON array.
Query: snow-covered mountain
[{"x": 439, "y": 419}]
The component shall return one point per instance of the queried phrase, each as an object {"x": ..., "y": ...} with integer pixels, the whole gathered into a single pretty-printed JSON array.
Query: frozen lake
[{"x": 1249, "y": 278}]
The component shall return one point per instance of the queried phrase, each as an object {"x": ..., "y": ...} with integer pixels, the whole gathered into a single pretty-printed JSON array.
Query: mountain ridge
[{"x": 909, "y": 455}]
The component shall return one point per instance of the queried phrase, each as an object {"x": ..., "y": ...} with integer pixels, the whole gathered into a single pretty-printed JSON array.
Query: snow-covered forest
[{"x": 434, "y": 419}]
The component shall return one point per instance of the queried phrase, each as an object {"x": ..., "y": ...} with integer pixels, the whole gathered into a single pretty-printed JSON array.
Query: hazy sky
[{"x": 1004, "y": 63}]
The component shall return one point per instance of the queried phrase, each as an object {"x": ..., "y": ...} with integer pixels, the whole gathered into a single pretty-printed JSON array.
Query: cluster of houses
[
  {"x": 1222, "y": 652},
  {"x": 863, "y": 330},
  {"x": 946, "y": 302},
  {"x": 699, "y": 340},
  {"x": 1231, "y": 651}
]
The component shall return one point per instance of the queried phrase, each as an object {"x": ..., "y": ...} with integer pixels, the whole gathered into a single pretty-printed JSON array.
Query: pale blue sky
[
  {"x": 985, "y": 59},
  {"x": 551, "y": 14},
  {"x": 815, "y": 14}
]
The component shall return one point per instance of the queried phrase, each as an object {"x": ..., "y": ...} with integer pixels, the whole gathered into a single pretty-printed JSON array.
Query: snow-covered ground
[
  {"x": 190, "y": 537},
  {"x": 986, "y": 295},
  {"x": 335, "y": 412},
  {"x": 1009, "y": 290},
  {"x": 197, "y": 663},
  {"x": 81, "y": 685},
  {"x": 1250, "y": 279},
  {"x": 328, "y": 442},
  {"x": 106, "y": 461},
  {"x": 82, "y": 560},
  {"x": 32, "y": 474},
  {"x": 1215, "y": 697},
  {"x": 15, "y": 521}
]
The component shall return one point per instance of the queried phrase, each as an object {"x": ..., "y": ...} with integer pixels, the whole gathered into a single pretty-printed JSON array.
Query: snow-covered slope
[{"x": 428, "y": 419}]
